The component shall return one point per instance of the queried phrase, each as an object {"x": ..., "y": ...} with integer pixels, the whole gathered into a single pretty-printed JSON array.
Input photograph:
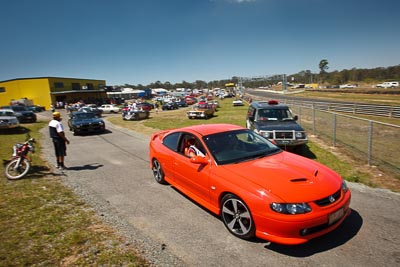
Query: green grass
[
  {"x": 345, "y": 169},
  {"x": 236, "y": 115},
  {"x": 45, "y": 223}
]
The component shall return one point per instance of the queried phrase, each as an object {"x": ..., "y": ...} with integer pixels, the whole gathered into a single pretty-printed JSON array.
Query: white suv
[{"x": 388, "y": 85}]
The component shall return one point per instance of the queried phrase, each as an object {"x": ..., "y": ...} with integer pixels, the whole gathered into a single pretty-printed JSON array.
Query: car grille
[
  {"x": 91, "y": 127},
  {"x": 315, "y": 229},
  {"x": 284, "y": 135},
  {"x": 328, "y": 200}
]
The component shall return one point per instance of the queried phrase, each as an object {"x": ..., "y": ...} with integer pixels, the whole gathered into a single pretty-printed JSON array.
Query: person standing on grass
[{"x": 57, "y": 134}]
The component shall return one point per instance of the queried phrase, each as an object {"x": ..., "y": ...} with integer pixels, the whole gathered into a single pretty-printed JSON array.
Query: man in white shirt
[{"x": 56, "y": 130}]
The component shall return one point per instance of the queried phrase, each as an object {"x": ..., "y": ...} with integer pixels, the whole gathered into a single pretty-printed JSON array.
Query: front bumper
[
  {"x": 294, "y": 231},
  {"x": 89, "y": 129},
  {"x": 285, "y": 138},
  {"x": 191, "y": 114}
]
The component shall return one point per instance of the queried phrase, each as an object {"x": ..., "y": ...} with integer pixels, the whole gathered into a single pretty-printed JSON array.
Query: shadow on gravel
[
  {"x": 106, "y": 131},
  {"x": 345, "y": 232},
  {"x": 93, "y": 166},
  {"x": 37, "y": 172}
]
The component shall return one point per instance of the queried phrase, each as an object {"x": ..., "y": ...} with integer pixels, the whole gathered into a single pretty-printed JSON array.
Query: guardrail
[{"x": 353, "y": 108}]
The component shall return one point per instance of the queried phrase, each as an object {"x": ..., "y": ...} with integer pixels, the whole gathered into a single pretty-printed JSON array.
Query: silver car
[{"x": 8, "y": 119}]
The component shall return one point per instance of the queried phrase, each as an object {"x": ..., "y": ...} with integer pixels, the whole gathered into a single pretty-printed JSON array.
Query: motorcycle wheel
[{"x": 13, "y": 173}]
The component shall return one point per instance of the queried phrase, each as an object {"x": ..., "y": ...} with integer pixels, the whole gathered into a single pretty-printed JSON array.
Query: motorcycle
[{"x": 19, "y": 164}]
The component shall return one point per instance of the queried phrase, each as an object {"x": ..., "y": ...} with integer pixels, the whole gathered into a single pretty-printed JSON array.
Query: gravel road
[{"x": 111, "y": 173}]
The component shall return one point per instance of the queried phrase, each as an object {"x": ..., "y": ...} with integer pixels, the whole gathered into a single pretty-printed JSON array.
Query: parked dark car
[
  {"x": 182, "y": 103},
  {"x": 96, "y": 111},
  {"x": 23, "y": 114},
  {"x": 85, "y": 122},
  {"x": 35, "y": 108},
  {"x": 170, "y": 106}
]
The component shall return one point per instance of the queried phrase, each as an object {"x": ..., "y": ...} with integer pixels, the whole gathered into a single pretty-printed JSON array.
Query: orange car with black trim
[{"x": 256, "y": 188}]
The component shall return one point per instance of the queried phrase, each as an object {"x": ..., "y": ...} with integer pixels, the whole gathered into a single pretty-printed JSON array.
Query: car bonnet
[
  {"x": 279, "y": 125},
  {"x": 290, "y": 177}
]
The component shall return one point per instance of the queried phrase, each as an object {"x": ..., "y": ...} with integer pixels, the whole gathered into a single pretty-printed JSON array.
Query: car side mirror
[
  {"x": 296, "y": 118},
  {"x": 199, "y": 160}
]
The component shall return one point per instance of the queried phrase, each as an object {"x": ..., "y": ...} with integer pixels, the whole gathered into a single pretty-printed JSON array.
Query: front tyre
[
  {"x": 236, "y": 217},
  {"x": 13, "y": 172},
  {"x": 158, "y": 172}
]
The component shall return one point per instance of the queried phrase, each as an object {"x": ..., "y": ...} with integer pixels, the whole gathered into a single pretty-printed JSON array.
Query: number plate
[{"x": 335, "y": 216}]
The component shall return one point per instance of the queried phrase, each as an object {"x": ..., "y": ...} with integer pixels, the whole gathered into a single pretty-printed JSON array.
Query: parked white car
[
  {"x": 238, "y": 102},
  {"x": 343, "y": 86},
  {"x": 109, "y": 108},
  {"x": 388, "y": 85}
]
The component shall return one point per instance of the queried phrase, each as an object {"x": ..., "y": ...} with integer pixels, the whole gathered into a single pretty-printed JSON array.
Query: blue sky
[{"x": 144, "y": 41}]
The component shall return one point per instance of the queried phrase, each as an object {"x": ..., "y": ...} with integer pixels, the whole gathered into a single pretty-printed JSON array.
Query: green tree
[{"x": 323, "y": 67}]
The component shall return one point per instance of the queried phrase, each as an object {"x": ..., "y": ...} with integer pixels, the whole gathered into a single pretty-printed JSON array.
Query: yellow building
[{"x": 44, "y": 91}]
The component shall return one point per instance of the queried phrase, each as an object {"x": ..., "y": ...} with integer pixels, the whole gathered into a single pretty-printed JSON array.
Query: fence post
[
  {"x": 313, "y": 118},
  {"x": 334, "y": 129},
  {"x": 370, "y": 142},
  {"x": 299, "y": 112}
]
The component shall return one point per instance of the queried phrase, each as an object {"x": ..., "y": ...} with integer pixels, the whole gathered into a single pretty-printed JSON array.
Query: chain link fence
[{"x": 372, "y": 142}]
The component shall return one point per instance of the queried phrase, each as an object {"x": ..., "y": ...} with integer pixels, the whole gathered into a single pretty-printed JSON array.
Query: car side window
[
  {"x": 171, "y": 141},
  {"x": 185, "y": 144}
]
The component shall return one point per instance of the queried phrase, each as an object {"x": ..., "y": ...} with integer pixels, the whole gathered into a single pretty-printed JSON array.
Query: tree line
[{"x": 354, "y": 75}]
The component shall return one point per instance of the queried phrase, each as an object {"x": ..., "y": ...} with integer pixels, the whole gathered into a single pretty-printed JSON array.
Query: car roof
[
  {"x": 206, "y": 129},
  {"x": 7, "y": 109},
  {"x": 82, "y": 112},
  {"x": 269, "y": 105}
]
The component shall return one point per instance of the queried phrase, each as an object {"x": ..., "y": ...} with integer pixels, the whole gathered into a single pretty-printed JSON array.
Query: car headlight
[
  {"x": 344, "y": 187},
  {"x": 290, "y": 208},
  {"x": 300, "y": 135},
  {"x": 267, "y": 135}
]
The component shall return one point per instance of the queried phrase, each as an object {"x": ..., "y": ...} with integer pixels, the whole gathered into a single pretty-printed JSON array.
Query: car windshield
[
  {"x": 238, "y": 146},
  {"x": 6, "y": 113},
  {"x": 83, "y": 116},
  {"x": 274, "y": 115},
  {"x": 19, "y": 108}
]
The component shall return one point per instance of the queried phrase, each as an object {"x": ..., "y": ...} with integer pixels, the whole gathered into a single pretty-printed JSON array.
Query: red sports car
[{"x": 255, "y": 187}]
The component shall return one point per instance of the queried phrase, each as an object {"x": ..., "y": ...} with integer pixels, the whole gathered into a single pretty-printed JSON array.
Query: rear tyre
[
  {"x": 236, "y": 217},
  {"x": 158, "y": 172},
  {"x": 13, "y": 173}
]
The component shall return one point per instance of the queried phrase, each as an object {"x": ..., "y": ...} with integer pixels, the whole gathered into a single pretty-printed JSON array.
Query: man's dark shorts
[{"x": 60, "y": 148}]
